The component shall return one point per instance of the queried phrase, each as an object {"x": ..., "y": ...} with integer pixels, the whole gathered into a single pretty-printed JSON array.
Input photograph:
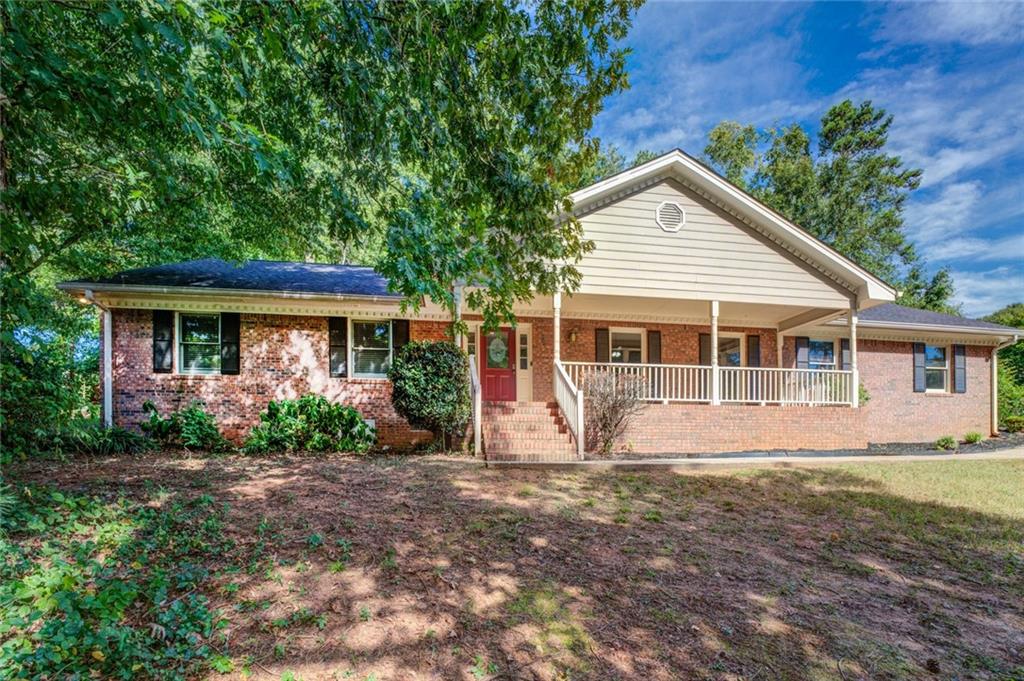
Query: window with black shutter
[
  {"x": 338, "y": 346},
  {"x": 163, "y": 341}
]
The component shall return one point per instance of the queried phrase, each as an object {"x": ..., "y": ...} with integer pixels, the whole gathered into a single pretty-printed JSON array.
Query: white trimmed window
[
  {"x": 936, "y": 368},
  {"x": 626, "y": 346},
  {"x": 371, "y": 348},
  {"x": 821, "y": 354},
  {"x": 199, "y": 343}
]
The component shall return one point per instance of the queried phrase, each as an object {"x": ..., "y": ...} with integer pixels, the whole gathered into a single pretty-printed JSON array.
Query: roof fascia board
[
  {"x": 936, "y": 328},
  {"x": 72, "y": 286}
]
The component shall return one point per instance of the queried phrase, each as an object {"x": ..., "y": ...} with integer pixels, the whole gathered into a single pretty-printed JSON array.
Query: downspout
[
  {"x": 994, "y": 367},
  {"x": 107, "y": 366}
]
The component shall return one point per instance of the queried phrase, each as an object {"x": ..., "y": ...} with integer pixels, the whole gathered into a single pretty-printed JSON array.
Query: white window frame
[
  {"x": 946, "y": 384},
  {"x": 837, "y": 353},
  {"x": 743, "y": 344},
  {"x": 179, "y": 360},
  {"x": 352, "y": 345},
  {"x": 612, "y": 330}
]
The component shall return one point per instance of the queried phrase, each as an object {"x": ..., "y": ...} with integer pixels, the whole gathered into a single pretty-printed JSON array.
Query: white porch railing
[
  {"x": 570, "y": 401},
  {"x": 661, "y": 382},
  {"x": 760, "y": 385},
  {"x": 771, "y": 385},
  {"x": 476, "y": 395}
]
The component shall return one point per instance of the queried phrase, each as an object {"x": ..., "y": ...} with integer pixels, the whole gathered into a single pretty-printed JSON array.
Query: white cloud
[
  {"x": 949, "y": 214},
  {"x": 975, "y": 249},
  {"x": 969, "y": 23},
  {"x": 984, "y": 292}
]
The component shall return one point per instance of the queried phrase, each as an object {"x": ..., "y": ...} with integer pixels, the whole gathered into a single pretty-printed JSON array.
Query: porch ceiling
[{"x": 668, "y": 310}]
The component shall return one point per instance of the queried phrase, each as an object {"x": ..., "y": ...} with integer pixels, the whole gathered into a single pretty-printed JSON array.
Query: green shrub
[
  {"x": 430, "y": 388},
  {"x": 973, "y": 438},
  {"x": 90, "y": 438},
  {"x": 1011, "y": 395},
  {"x": 311, "y": 423},
  {"x": 1014, "y": 424},
  {"x": 947, "y": 442},
  {"x": 192, "y": 427}
]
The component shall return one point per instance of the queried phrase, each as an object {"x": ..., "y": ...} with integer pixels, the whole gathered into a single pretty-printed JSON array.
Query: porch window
[
  {"x": 821, "y": 354},
  {"x": 371, "y": 348},
  {"x": 626, "y": 346},
  {"x": 199, "y": 344},
  {"x": 936, "y": 368},
  {"x": 471, "y": 343},
  {"x": 730, "y": 351}
]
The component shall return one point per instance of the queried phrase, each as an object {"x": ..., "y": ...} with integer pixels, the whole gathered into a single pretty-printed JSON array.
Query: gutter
[
  {"x": 945, "y": 328},
  {"x": 108, "y": 358},
  {"x": 252, "y": 293}
]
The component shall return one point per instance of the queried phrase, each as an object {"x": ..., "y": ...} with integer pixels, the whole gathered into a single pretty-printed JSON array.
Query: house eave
[
  {"x": 80, "y": 287},
  {"x": 936, "y": 328}
]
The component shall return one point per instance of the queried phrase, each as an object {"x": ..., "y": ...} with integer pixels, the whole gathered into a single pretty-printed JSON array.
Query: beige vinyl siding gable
[{"x": 713, "y": 256}]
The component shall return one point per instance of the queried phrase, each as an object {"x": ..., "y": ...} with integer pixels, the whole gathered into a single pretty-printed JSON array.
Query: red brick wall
[
  {"x": 701, "y": 428},
  {"x": 283, "y": 356},
  {"x": 895, "y": 413}
]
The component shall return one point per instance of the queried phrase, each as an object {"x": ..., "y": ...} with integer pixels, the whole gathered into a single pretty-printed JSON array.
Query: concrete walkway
[{"x": 771, "y": 461}]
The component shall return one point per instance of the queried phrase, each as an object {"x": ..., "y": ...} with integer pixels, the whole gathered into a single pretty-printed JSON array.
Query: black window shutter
[
  {"x": 919, "y": 382},
  {"x": 654, "y": 347},
  {"x": 844, "y": 354},
  {"x": 230, "y": 347},
  {"x": 337, "y": 340},
  {"x": 753, "y": 350},
  {"x": 705, "y": 349},
  {"x": 959, "y": 368},
  {"x": 399, "y": 334},
  {"x": 601, "y": 345},
  {"x": 803, "y": 352},
  {"x": 163, "y": 341}
]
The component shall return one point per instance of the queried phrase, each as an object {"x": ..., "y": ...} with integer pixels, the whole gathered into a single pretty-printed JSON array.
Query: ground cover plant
[
  {"x": 192, "y": 427},
  {"x": 102, "y": 586},
  {"x": 397, "y": 568}
]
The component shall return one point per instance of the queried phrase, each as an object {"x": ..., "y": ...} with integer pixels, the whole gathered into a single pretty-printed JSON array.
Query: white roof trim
[{"x": 871, "y": 290}]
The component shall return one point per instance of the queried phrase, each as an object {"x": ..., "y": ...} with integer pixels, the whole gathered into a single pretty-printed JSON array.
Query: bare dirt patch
[{"x": 432, "y": 568}]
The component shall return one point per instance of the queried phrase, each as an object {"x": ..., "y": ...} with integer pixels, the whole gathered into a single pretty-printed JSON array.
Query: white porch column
[
  {"x": 457, "y": 295},
  {"x": 854, "y": 373},
  {"x": 557, "y": 302},
  {"x": 715, "y": 382},
  {"x": 994, "y": 381},
  {"x": 108, "y": 368}
]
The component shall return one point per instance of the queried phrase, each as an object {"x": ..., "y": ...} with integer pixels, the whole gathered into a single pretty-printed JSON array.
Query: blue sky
[{"x": 952, "y": 74}]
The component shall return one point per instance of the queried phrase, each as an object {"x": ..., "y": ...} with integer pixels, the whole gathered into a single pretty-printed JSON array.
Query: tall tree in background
[{"x": 850, "y": 193}]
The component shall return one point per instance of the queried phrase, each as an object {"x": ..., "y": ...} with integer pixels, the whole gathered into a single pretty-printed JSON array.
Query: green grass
[{"x": 992, "y": 487}]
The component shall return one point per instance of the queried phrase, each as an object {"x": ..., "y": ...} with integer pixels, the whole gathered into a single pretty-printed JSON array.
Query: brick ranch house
[{"x": 746, "y": 332}]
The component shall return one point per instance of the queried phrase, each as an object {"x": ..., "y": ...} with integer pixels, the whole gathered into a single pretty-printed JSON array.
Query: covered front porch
[{"x": 697, "y": 352}]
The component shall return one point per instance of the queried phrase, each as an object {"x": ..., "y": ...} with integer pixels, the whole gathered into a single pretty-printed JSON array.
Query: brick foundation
[
  {"x": 283, "y": 356},
  {"x": 702, "y": 428}
]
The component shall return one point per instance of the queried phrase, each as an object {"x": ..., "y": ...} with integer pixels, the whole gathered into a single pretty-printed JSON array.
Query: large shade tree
[{"x": 429, "y": 139}]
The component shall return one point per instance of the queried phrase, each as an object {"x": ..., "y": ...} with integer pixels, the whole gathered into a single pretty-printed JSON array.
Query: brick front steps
[{"x": 525, "y": 431}]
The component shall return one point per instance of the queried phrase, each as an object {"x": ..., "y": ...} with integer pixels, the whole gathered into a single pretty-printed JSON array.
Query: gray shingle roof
[
  {"x": 891, "y": 313},
  {"x": 258, "y": 275}
]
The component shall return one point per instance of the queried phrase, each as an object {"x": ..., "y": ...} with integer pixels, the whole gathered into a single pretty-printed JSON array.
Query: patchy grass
[{"x": 435, "y": 568}]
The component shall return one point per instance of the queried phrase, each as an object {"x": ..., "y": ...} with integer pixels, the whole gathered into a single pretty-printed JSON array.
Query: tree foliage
[
  {"x": 430, "y": 388},
  {"x": 428, "y": 139},
  {"x": 850, "y": 192},
  {"x": 142, "y": 131}
]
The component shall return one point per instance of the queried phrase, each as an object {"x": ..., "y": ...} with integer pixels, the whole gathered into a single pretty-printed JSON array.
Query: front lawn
[{"x": 408, "y": 568}]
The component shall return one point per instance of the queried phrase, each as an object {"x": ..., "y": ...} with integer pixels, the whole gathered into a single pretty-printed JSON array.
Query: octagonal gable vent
[{"x": 670, "y": 216}]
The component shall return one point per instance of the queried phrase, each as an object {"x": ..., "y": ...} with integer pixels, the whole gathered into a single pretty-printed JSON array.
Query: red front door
[{"x": 497, "y": 366}]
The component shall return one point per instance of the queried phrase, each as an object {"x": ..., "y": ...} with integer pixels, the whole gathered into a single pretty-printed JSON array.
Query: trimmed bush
[
  {"x": 191, "y": 428},
  {"x": 312, "y": 424},
  {"x": 973, "y": 438},
  {"x": 946, "y": 443},
  {"x": 1014, "y": 424},
  {"x": 431, "y": 388}
]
